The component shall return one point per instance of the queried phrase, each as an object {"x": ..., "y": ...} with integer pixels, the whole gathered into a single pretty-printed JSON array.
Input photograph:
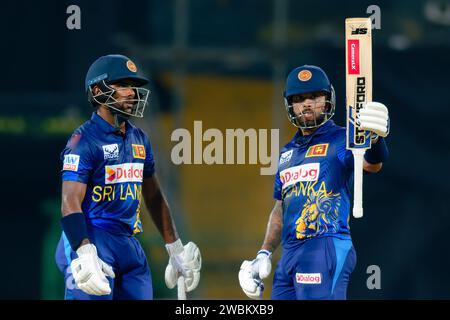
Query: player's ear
[{"x": 96, "y": 90}]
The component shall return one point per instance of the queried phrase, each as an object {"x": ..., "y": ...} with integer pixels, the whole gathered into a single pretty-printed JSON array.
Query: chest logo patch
[
  {"x": 286, "y": 157},
  {"x": 71, "y": 162},
  {"x": 318, "y": 150},
  {"x": 138, "y": 151},
  {"x": 111, "y": 151}
]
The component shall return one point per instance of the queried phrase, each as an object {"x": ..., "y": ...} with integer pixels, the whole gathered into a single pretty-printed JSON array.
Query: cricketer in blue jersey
[
  {"x": 312, "y": 195},
  {"x": 108, "y": 166}
]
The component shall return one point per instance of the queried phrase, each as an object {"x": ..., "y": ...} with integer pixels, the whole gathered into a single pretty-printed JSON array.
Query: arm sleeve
[
  {"x": 149, "y": 163},
  {"x": 77, "y": 160}
]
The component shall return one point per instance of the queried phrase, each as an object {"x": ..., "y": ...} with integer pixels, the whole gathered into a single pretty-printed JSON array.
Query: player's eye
[
  {"x": 123, "y": 85},
  {"x": 318, "y": 95},
  {"x": 297, "y": 99}
]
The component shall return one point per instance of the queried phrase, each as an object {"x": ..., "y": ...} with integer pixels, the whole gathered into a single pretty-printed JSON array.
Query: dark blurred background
[{"x": 224, "y": 62}]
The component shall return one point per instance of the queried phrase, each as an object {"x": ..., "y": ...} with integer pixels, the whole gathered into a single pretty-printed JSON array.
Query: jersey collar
[
  {"x": 105, "y": 126},
  {"x": 299, "y": 138}
]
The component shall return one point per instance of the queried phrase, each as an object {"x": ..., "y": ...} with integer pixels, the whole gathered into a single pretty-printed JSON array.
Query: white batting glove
[
  {"x": 89, "y": 271},
  {"x": 186, "y": 261},
  {"x": 374, "y": 116},
  {"x": 252, "y": 273}
]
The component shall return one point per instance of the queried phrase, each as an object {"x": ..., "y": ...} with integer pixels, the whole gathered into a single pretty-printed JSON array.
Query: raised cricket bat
[
  {"x": 358, "y": 85},
  {"x": 181, "y": 287}
]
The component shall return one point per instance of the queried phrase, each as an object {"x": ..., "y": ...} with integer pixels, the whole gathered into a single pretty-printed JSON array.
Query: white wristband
[
  {"x": 174, "y": 248},
  {"x": 86, "y": 249},
  {"x": 264, "y": 252}
]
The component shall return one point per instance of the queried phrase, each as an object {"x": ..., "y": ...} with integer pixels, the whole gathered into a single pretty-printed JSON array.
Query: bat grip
[
  {"x": 181, "y": 288},
  {"x": 358, "y": 155}
]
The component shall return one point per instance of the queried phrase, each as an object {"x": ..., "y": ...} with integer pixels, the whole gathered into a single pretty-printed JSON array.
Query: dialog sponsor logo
[
  {"x": 305, "y": 172},
  {"x": 71, "y": 162},
  {"x": 125, "y": 172},
  {"x": 308, "y": 278}
]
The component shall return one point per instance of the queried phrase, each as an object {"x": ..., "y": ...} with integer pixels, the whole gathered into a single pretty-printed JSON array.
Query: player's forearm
[
  {"x": 159, "y": 209},
  {"x": 160, "y": 214},
  {"x": 69, "y": 207},
  {"x": 73, "y": 219},
  {"x": 273, "y": 233},
  {"x": 72, "y": 197},
  {"x": 372, "y": 168}
]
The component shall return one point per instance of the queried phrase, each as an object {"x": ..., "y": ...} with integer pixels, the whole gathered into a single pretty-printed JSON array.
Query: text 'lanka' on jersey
[
  {"x": 314, "y": 179},
  {"x": 113, "y": 166}
]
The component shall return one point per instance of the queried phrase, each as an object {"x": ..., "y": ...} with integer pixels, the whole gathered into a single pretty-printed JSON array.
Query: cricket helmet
[
  {"x": 308, "y": 79},
  {"x": 111, "y": 69}
]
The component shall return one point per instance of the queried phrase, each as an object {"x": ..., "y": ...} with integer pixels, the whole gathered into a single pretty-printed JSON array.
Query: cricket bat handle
[
  {"x": 181, "y": 287},
  {"x": 358, "y": 155}
]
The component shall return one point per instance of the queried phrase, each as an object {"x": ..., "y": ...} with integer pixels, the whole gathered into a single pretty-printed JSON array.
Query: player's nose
[
  {"x": 129, "y": 92},
  {"x": 308, "y": 102}
]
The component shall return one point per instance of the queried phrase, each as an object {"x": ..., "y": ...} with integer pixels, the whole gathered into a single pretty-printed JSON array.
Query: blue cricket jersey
[
  {"x": 314, "y": 178},
  {"x": 113, "y": 166}
]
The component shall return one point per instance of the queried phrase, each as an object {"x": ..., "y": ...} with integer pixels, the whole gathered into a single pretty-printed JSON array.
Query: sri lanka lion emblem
[{"x": 319, "y": 214}]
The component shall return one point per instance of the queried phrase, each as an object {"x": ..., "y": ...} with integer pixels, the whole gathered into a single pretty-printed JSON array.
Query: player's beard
[
  {"x": 308, "y": 121},
  {"x": 119, "y": 117},
  {"x": 125, "y": 106}
]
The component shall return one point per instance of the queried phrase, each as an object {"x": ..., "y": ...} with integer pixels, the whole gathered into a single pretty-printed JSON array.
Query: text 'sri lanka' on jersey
[
  {"x": 113, "y": 167},
  {"x": 313, "y": 181}
]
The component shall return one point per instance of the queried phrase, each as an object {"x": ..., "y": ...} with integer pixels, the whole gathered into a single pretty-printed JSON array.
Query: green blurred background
[{"x": 224, "y": 62}]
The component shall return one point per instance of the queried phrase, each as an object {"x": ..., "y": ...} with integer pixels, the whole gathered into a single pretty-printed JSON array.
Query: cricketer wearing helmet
[
  {"x": 312, "y": 195},
  {"x": 108, "y": 166}
]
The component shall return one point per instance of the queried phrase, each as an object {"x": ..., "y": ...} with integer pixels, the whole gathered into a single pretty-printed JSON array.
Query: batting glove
[
  {"x": 89, "y": 271},
  {"x": 186, "y": 261},
  {"x": 252, "y": 273},
  {"x": 374, "y": 116}
]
